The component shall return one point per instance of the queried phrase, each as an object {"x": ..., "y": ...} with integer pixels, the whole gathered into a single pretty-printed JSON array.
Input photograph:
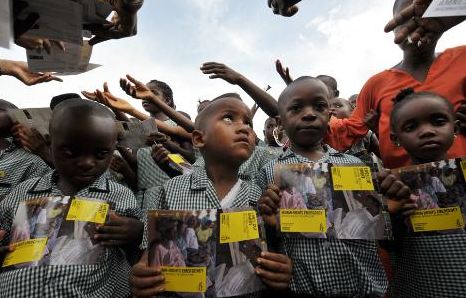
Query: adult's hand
[
  {"x": 286, "y": 8},
  {"x": 20, "y": 70}
]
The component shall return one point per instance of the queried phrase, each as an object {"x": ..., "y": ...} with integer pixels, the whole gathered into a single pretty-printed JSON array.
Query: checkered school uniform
[
  {"x": 18, "y": 165},
  {"x": 109, "y": 278},
  {"x": 194, "y": 192},
  {"x": 250, "y": 168},
  {"x": 149, "y": 173},
  {"x": 430, "y": 266},
  {"x": 330, "y": 267}
]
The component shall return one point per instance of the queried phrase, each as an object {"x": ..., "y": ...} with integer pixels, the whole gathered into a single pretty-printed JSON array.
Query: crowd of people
[{"x": 410, "y": 114}]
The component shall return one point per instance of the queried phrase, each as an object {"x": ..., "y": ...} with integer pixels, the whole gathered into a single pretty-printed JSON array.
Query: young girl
[{"x": 434, "y": 265}]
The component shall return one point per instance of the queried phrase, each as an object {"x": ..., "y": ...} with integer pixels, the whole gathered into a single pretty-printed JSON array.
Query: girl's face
[{"x": 425, "y": 128}]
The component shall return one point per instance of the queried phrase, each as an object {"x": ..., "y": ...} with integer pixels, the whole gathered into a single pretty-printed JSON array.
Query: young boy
[
  {"x": 16, "y": 164},
  {"x": 225, "y": 139},
  {"x": 81, "y": 154},
  {"x": 269, "y": 140},
  {"x": 259, "y": 157},
  {"x": 323, "y": 268}
]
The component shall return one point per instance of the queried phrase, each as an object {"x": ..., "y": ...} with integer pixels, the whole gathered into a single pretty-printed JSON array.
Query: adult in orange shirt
[{"x": 421, "y": 69}]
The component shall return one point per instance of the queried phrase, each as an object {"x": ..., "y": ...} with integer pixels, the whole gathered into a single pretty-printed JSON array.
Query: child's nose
[{"x": 86, "y": 163}]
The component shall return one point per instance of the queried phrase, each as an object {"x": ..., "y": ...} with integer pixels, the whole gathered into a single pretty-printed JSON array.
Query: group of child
[{"x": 231, "y": 168}]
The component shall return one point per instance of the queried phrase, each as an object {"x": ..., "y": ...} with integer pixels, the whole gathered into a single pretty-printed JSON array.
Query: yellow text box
[
  {"x": 303, "y": 221},
  {"x": 26, "y": 251},
  {"x": 437, "y": 219},
  {"x": 352, "y": 178},
  {"x": 238, "y": 226},
  {"x": 185, "y": 279},
  {"x": 87, "y": 210}
]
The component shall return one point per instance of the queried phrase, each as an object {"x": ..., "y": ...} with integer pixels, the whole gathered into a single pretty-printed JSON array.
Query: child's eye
[
  {"x": 68, "y": 152},
  {"x": 409, "y": 127},
  {"x": 439, "y": 121},
  {"x": 295, "y": 108},
  {"x": 228, "y": 119},
  {"x": 321, "y": 106},
  {"x": 102, "y": 154}
]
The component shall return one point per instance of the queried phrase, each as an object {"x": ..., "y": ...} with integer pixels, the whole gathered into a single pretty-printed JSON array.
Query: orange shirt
[{"x": 446, "y": 77}]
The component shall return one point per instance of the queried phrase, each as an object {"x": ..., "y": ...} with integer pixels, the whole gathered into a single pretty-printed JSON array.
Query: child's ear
[{"x": 198, "y": 139}]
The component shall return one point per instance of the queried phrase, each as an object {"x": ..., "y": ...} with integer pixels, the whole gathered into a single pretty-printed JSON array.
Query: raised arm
[
  {"x": 139, "y": 90},
  {"x": 420, "y": 29},
  {"x": 264, "y": 100}
]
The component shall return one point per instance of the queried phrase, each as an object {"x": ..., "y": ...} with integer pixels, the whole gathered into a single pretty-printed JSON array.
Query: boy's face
[
  {"x": 228, "y": 133},
  {"x": 81, "y": 153},
  {"x": 270, "y": 125},
  {"x": 425, "y": 128},
  {"x": 304, "y": 112},
  {"x": 340, "y": 108}
]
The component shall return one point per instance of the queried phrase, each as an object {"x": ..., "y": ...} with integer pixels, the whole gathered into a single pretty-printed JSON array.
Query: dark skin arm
[
  {"x": 420, "y": 29},
  {"x": 220, "y": 71},
  {"x": 120, "y": 165},
  {"x": 101, "y": 98},
  {"x": 139, "y": 90},
  {"x": 32, "y": 141}
]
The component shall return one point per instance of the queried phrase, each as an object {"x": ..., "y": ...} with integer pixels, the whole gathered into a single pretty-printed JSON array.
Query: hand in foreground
[
  {"x": 120, "y": 231},
  {"x": 146, "y": 281},
  {"x": 268, "y": 205},
  {"x": 20, "y": 70},
  {"x": 275, "y": 270}
]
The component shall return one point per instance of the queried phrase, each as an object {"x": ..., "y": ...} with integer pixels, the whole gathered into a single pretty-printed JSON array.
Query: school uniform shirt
[
  {"x": 430, "y": 266},
  {"x": 149, "y": 174},
  {"x": 329, "y": 267},
  {"x": 194, "y": 192},
  {"x": 18, "y": 165},
  {"x": 109, "y": 278},
  {"x": 250, "y": 168},
  {"x": 446, "y": 77}
]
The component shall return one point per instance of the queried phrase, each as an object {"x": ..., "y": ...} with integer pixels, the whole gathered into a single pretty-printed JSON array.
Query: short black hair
[
  {"x": 407, "y": 95},
  {"x": 205, "y": 114},
  {"x": 330, "y": 82},
  {"x": 56, "y": 100},
  {"x": 4, "y": 104},
  {"x": 163, "y": 87},
  {"x": 81, "y": 107},
  {"x": 282, "y": 98}
]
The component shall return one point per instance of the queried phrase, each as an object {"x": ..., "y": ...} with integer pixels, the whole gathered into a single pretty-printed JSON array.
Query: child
[
  {"x": 323, "y": 268},
  {"x": 16, "y": 164},
  {"x": 224, "y": 136},
  {"x": 269, "y": 139},
  {"x": 81, "y": 155},
  {"x": 259, "y": 157},
  {"x": 342, "y": 109},
  {"x": 424, "y": 125}
]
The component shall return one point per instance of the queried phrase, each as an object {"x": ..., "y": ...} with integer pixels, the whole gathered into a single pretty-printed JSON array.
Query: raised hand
[
  {"x": 283, "y": 72},
  {"x": 20, "y": 70},
  {"x": 33, "y": 43},
  {"x": 135, "y": 88},
  {"x": 221, "y": 71},
  {"x": 286, "y": 8},
  {"x": 417, "y": 29},
  {"x": 123, "y": 23}
]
